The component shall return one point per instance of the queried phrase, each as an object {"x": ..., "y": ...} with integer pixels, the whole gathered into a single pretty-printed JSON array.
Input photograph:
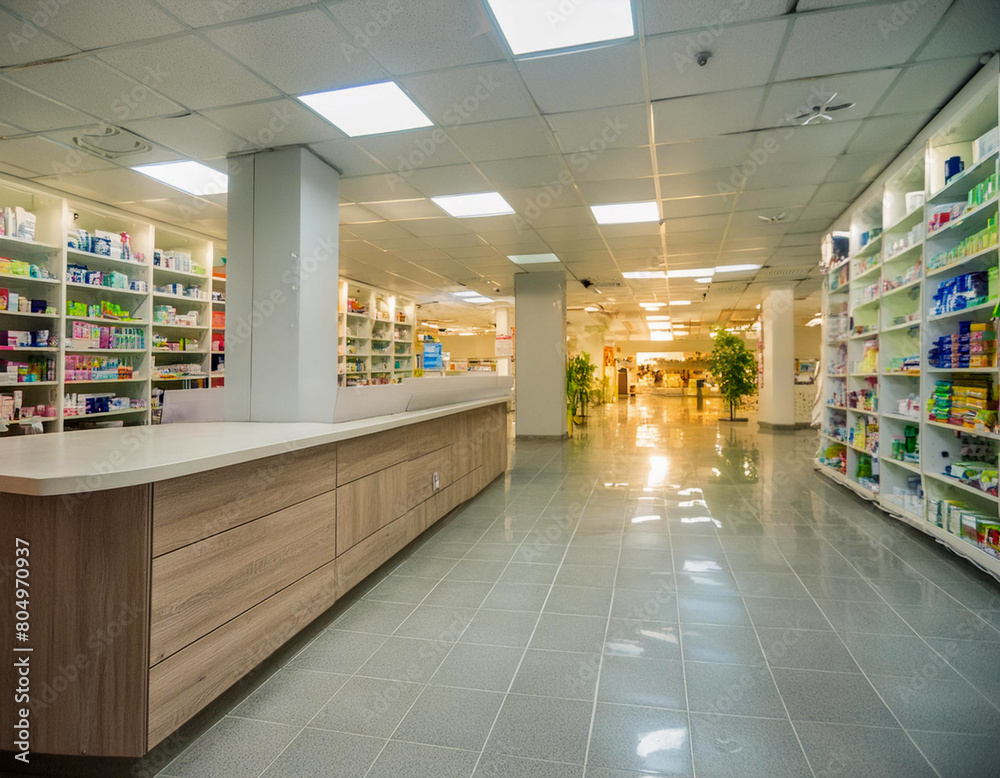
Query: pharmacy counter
[{"x": 162, "y": 564}]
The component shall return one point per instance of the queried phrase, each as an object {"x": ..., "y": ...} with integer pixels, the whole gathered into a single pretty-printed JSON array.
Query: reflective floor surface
[{"x": 663, "y": 594}]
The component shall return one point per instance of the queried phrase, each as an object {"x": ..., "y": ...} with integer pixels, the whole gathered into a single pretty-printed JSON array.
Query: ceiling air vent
[
  {"x": 771, "y": 273},
  {"x": 715, "y": 289},
  {"x": 110, "y": 142},
  {"x": 606, "y": 282}
]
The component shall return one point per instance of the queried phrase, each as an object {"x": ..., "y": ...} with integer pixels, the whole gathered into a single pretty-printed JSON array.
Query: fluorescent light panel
[
  {"x": 465, "y": 206},
  {"x": 479, "y": 299},
  {"x": 547, "y": 25},
  {"x": 736, "y": 268},
  {"x": 657, "y": 318},
  {"x": 468, "y": 293},
  {"x": 532, "y": 259},
  {"x": 626, "y": 213},
  {"x": 368, "y": 110},
  {"x": 644, "y": 274},
  {"x": 691, "y": 272},
  {"x": 191, "y": 177}
]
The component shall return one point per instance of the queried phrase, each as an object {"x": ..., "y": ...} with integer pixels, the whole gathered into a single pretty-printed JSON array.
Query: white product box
[{"x": 985, "y": 145}]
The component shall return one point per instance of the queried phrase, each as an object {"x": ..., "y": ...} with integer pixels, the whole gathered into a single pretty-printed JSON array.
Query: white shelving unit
[
  {"x": 896, "y": 266},
  {"x": 58, "y": 216},
  {"x": 375, "y": 336}
]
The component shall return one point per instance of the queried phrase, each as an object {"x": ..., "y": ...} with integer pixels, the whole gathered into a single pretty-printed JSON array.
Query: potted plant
[
  {"x": 579, "y": 385},
  {"x": 734, "y": 368}
]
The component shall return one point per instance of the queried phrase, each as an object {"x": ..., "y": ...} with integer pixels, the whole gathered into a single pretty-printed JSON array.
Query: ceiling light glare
[
  {"x": 692, "y": 272},
  {"x": 626, "y": 213},
  {"x": 706, "y": 280},
  {"x": 479, "y": 299},
  {"x": 532, "y": 259},
  {"x": 661, "y": 336},
  {"x": 680, "y": 302},
  {"x": 372, "y": 109},
  {"x": 644, "y": 275},
  {"x": 591, "y": 309},
  {"x": 651, "y": 306},
  {"x": 469, "y": 293},
  {"x": 657, "y": 318},
  {"x": 464, "y": 206},
  {"x": 736, "y": 268},
  {"x": 191, "y": 177},
  {"x": 531, "y": 26}
]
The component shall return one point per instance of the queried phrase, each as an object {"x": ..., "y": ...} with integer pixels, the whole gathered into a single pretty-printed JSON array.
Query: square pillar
[
  {"x": 777, "y": 394},
  {"x": 540, "y": 386}
]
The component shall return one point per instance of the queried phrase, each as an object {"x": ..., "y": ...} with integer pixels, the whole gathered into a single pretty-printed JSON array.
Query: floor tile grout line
[
  {"x": 458, "y": 639},
  {"x": 864, "y": 673},
  {"x": 600, "y": 663},
  {"x": 924, "y": 640},
  {"x": 770, "y": 670},
  {"x": 524, "y": 653}
]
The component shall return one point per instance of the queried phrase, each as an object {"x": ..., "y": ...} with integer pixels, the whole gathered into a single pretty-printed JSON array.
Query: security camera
[
  {"x": 587, "y": 283},
  {"x": 702, "y": 58},
  {"x": 496, "y": 289}
]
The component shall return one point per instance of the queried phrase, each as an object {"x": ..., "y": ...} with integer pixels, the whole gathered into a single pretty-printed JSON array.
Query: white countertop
[{"x": 92, "y": 460}]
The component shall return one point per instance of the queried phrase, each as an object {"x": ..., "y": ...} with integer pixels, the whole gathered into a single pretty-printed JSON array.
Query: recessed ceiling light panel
[
  {"x": 464, "y": 206},
  {"x": 531, "y": 26},
  {"x": 644, "y": 274},
  {"x": 736, "y": 268},
  {"x": 626, "y": 213},
  {"x": 533, "y": 259},
  {"x": 191, "y": 177},
  {"x": 368, "y": 110}
]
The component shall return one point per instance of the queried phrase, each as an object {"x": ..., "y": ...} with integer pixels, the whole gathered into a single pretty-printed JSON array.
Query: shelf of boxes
[
  {"x": 95, "y": 266},
  {"x": 375, "y": 334},
  {"x": 935, "y": 382},
  {"x": 217, "y": 355}
]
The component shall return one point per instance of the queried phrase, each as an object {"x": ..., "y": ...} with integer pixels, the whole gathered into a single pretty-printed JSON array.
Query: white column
[
  {"x": 281, "y": 306},
  {"x": 777, "y": 395},
  {"x": 540, "y": 300},
  {"x": 502, "y": 331}
]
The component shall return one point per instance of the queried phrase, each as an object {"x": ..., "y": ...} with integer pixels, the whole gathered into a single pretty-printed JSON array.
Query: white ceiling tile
[
  {"x": 509, "y": 138},
  {"x": 198, "y": 13},
  {"x": 473, "y": 252},
  {"x": 25, "y": 42},
  {"x": 466, "y": 240},
  {"x": 696, "y": 206},
  {"x": 349, "y": 158},
  {"x": 695, "y": 156},
  {"x": 610, "y": 75},
  {"x": 156, "y": 154},
  {"x": 90, "y": 85},
  {"x": 742, "y": 56},
  {"x": 810, "y": 225},
  {"x": 860, "y": 167},
  {"x": 479, "y": 93},
  {"x": 696, "y": 224},
  {"x": 405, "y": 209},
  {"x": 708, "y": 182},
  {"x": 377, "y": 230},
  {"x": 404, "y": 152},
  {"x": 534, "y": 202},
  {"x": 33, "y": 113},
  {"x": 418, "y": 255},
  {"x": 557, "y": 234},
  {"x": 790, "y": 99},
  {"x": 93, "y": 25},
  {"x": 321, "y": 58},
  {"x": 523, "y": 173},
  {"x": 563, "y": 217},
  {"x": 856, "y": 38},
  {"x": 592, "y": 131},
  {"x": 689, "y": 118},
  {"x": 779, "y": 197},
  {"x": 828, "y": 211},
  {"x": 274, "y": 123},
  {"x": 844, "y": 191},
  {"x": 192, "y": 136},
  {"x": 927, "y": 87},
  {"x": 625, "y": 191},
  {"x": 611, "y": 163},
  {"x": 969, "y": 27},
  {"x": 177, "y": 68},
  {"x": 888, "y": 132},
  {"x": 46, "y": 158},
  {"x": 443, "y": 226},
  {"x": 792, "y": 144},
  {"x": 790, "y": 174},
  {"x": 14, "y": 170},
  {"x": 363, "y": 189},
  {"x": 709, "y": 17},
  {"x": 179, "y": 208},
  {"x": 415, "y": 36},
  {"x": 349, "y": 214},
  {"x": 453, "y": 179},
  {"x": 743, "y": 222}
]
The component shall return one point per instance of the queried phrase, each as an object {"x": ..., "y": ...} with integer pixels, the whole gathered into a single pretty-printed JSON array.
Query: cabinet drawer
[
  {"x": 201, "y": 586},
  {"x": 369, "y": 503},
  {"x": 420, "y": 474},
  {"x": 183, "y": 684},
  {"x": 357, "y": 563},
  {"x": 194, "y": 507}
]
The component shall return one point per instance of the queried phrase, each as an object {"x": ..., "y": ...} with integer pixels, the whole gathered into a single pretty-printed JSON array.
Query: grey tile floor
[{"x": 661, "y": 595}]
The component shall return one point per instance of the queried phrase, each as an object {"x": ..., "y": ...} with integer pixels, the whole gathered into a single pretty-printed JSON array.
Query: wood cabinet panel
[
  {"x": 358, "y": 562},
  {"x": 189, "y": 509},
  {"x": 370, "y": 503},
  {"x": 364, "y": 456},
  {"x": 201, "y": 586},
  {"x": 88, "y": 581},
  {"x": 183, "y": 684},
  {"x": 420, "y": 472}
]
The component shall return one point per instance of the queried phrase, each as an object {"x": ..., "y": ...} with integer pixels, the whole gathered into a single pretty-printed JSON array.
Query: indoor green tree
[
  {"x": 733, "y": 366},
  {"x": 579, "y": 383}
]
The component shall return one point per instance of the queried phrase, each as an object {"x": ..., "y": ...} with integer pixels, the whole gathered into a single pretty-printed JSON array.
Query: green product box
[
  {"x": 994, "y": 287},
  {"x": 988, "y": 536}
]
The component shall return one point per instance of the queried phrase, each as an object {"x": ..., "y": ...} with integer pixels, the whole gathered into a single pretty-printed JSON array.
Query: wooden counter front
[{"x": 148, "y": 602}]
